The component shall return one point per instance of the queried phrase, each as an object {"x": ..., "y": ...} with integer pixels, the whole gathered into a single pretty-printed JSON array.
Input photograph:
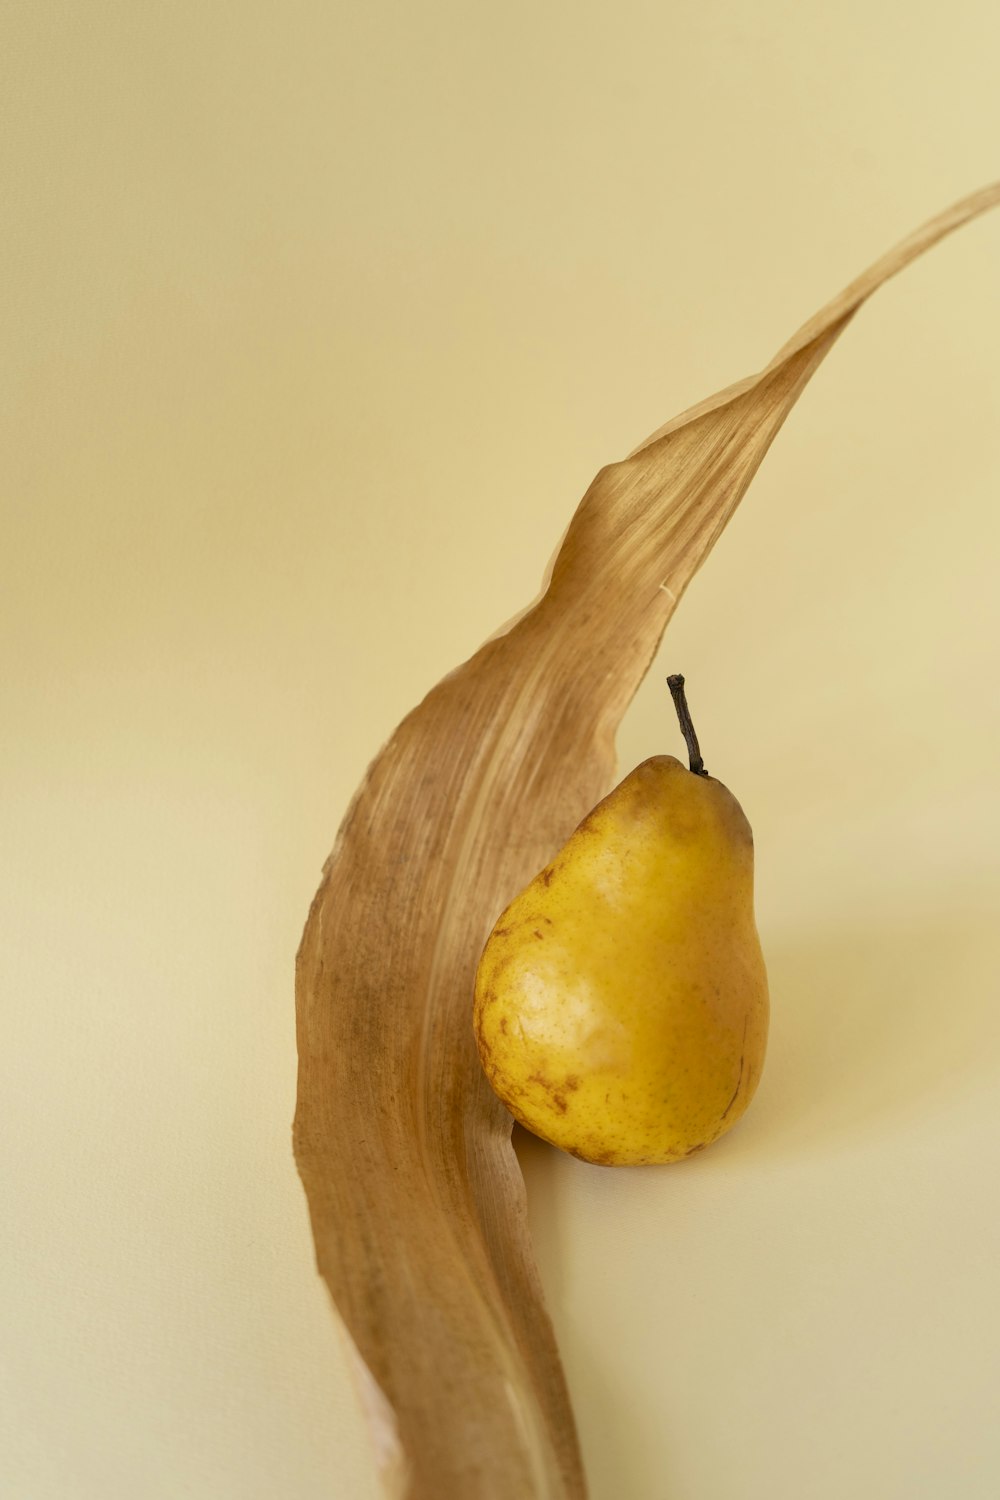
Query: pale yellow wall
[{"x": 316, "y": 321}]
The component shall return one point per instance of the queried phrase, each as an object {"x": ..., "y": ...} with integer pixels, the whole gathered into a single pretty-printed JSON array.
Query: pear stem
[{"x": 676, "y": 686}]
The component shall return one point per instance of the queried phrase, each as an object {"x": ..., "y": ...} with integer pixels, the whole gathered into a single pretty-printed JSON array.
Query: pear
[{"x": 621, "y": 1003}]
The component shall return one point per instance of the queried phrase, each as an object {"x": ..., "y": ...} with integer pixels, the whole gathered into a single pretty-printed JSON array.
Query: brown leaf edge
[{"x": 414, "y": 1192}]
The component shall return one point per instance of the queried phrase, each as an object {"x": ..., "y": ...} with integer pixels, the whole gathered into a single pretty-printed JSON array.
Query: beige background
[{"x": 317, "y": 320}]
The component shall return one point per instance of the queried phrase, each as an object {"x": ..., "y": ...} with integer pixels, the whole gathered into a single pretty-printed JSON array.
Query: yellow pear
[{"x": 621, "y": 1003}]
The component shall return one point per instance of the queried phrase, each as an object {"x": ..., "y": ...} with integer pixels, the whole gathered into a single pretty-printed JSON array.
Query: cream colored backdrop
[{"x": 316, "y": 322}]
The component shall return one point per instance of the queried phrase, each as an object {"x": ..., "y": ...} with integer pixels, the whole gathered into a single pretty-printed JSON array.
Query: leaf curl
[{"x": 415, "y": 1196}]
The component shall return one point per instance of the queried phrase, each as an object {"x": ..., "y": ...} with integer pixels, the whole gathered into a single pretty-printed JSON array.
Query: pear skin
[{"x": 621, "y": 1003}]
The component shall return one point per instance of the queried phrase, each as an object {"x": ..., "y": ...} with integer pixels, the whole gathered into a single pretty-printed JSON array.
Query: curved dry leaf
[{"x": 415, "y": 1196}]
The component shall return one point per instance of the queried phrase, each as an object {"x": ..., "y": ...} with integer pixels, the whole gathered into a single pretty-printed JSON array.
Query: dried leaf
[{"x": 416, "y": 1199}]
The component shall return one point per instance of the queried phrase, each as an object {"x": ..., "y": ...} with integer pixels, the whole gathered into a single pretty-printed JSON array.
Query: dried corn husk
[{"x": 416, "y": 1200}]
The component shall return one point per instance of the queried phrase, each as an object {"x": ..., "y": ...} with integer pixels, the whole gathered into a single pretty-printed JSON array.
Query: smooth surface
[
  {"x": 621, "y": 1000},
  {"x": 291, "y": 300}
]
